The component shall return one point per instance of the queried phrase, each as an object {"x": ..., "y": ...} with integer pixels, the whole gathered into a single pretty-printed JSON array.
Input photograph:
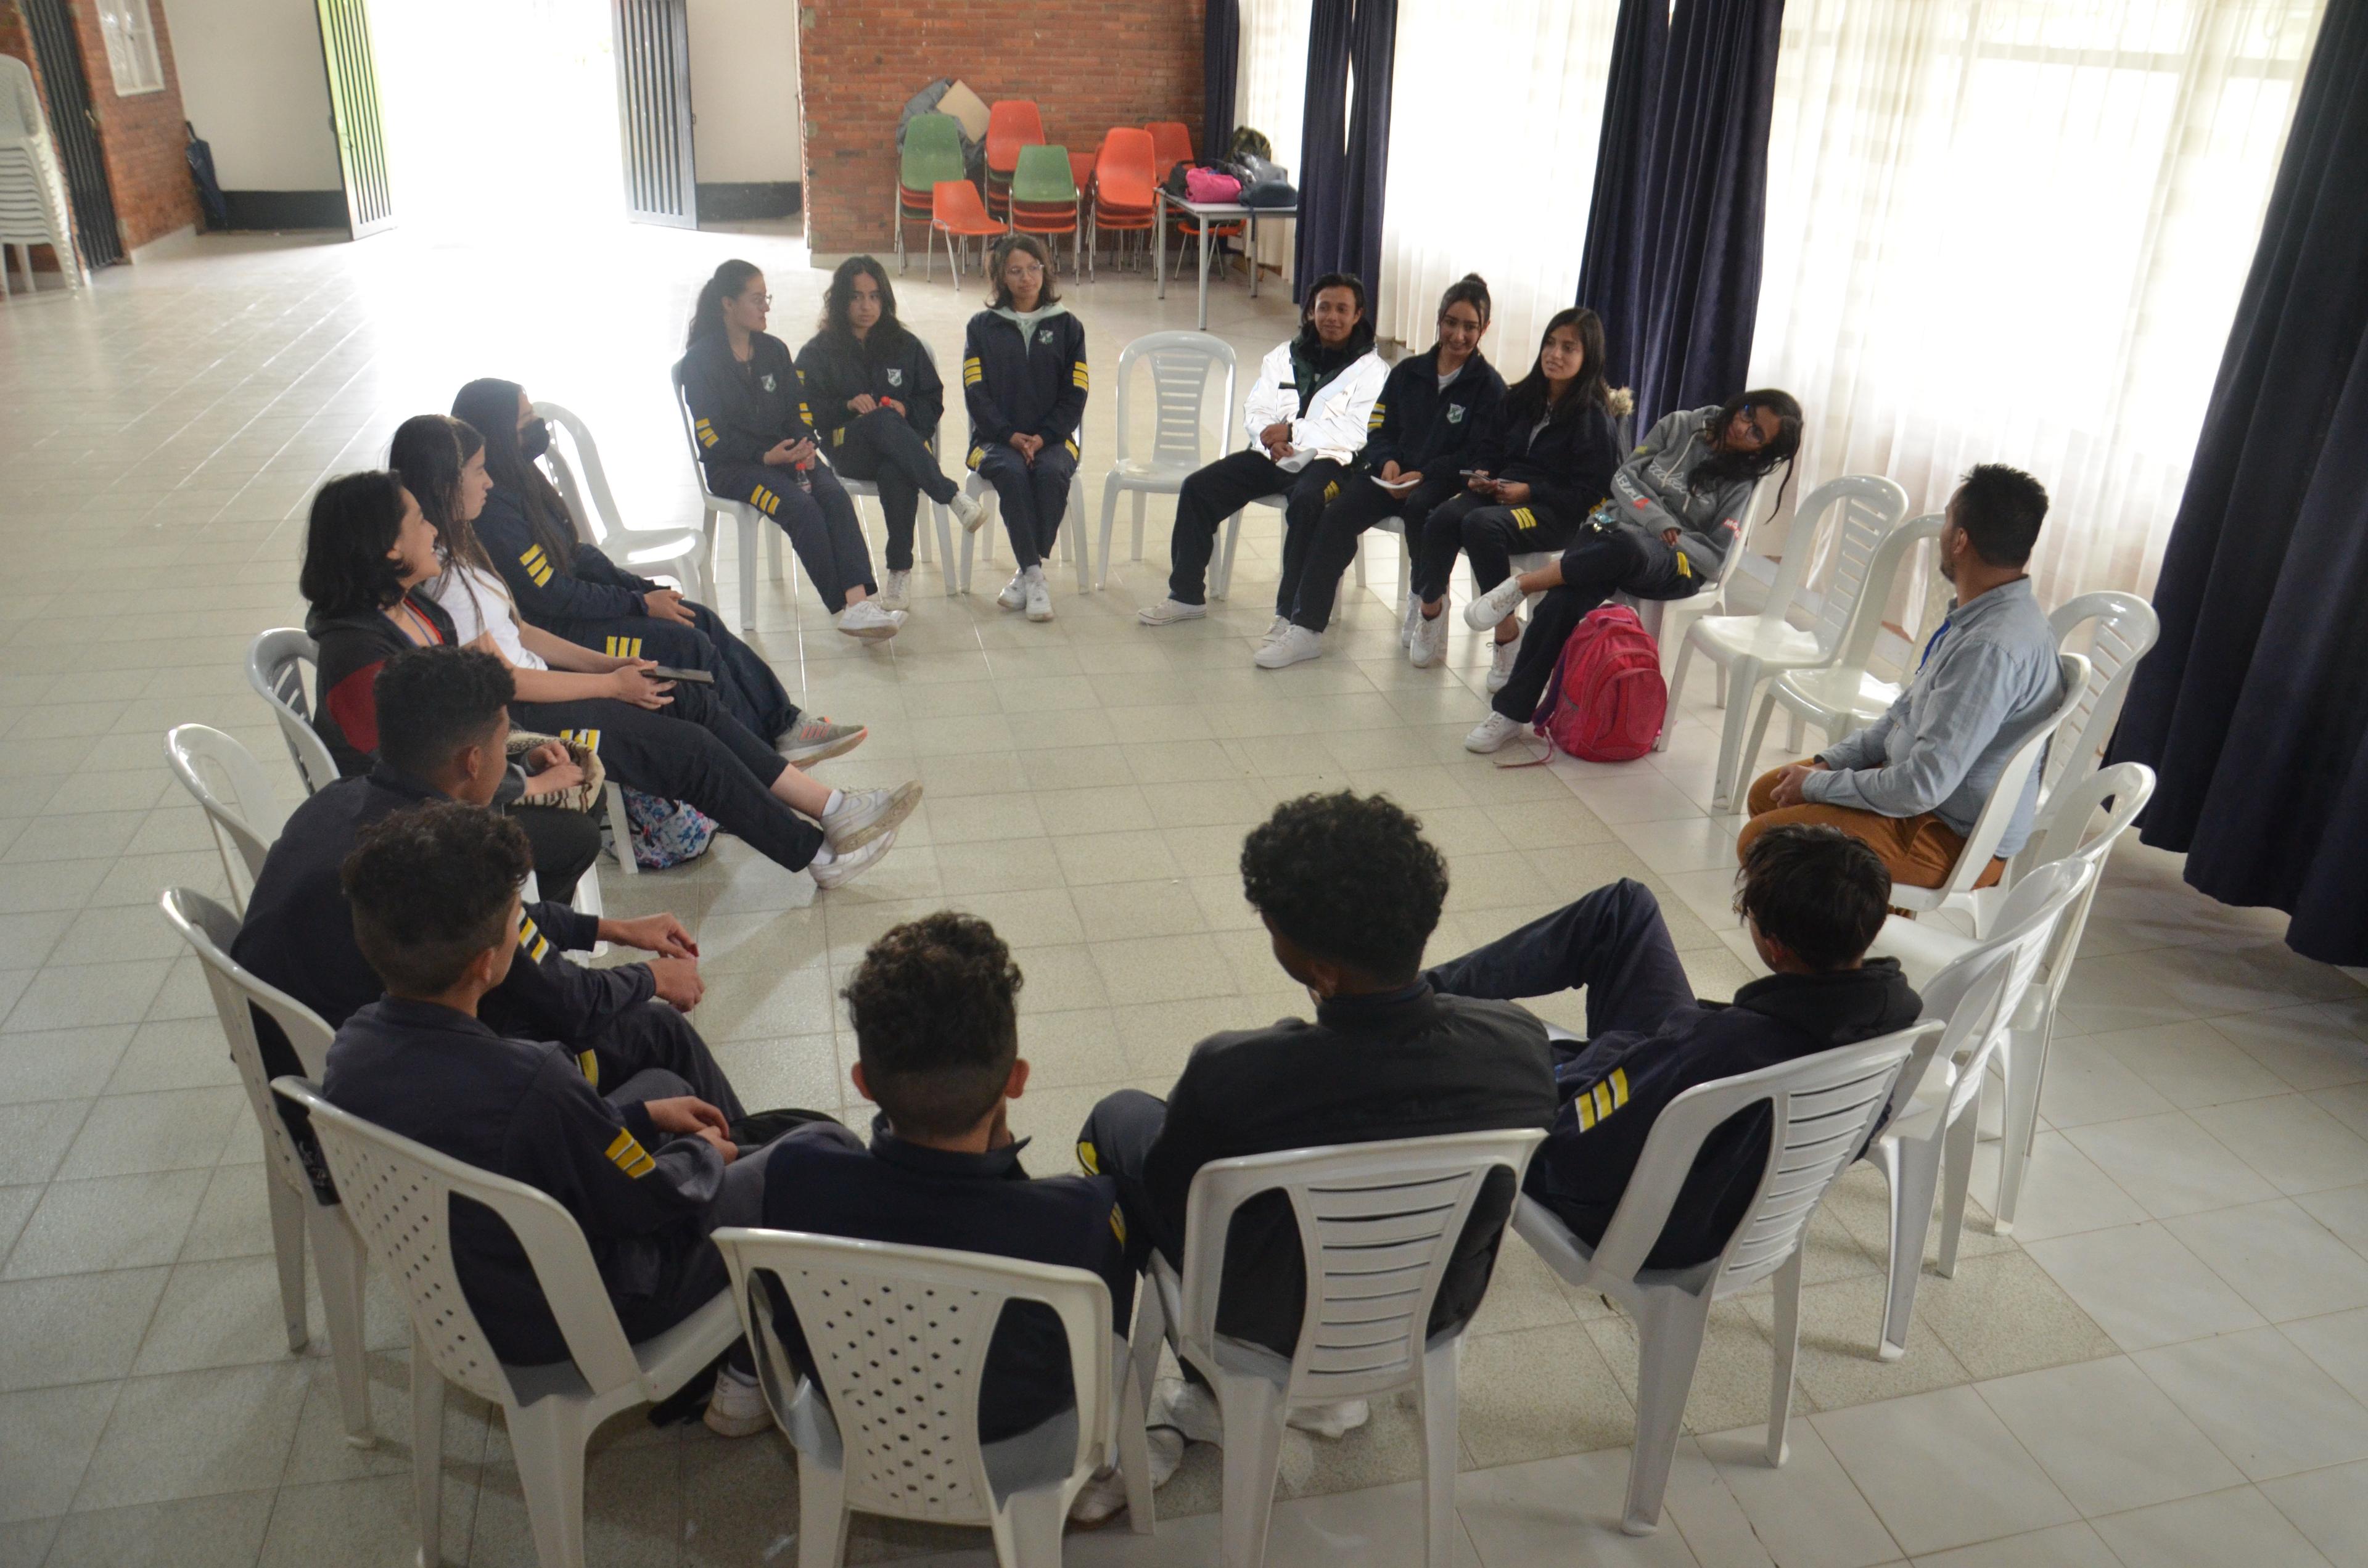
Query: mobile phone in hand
[{"x": 697, "y": 677}]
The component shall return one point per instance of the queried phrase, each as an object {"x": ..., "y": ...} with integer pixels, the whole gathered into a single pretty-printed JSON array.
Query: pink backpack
[
  {"x": 1607, "y": 700},
  {"x": 1210, "y": 184}
]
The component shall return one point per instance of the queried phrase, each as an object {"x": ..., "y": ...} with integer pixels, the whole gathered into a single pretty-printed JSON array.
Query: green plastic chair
[
  {"x": 1044, "y": 198},
  {"x": 932, "y": 152}
]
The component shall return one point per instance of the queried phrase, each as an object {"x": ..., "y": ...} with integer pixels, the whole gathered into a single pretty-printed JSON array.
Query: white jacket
[{"x": 1334, "y": 425}]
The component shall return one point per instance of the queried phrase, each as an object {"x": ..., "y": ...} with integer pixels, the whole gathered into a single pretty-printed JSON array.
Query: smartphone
[{"x": 699, "y": 678}]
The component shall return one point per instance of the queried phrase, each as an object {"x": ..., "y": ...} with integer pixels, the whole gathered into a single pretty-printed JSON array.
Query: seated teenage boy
[
  {"x": 1307, "y": 417},
  {"x": 937, "y": 1050},
  {"x": 644, "y": 1165},
  {"x": 1912, "y": 783},
  {"x": 443, "y": 718},
  {"x": 1350, "y": 892},
  {"x": 1812, "y": 898}
]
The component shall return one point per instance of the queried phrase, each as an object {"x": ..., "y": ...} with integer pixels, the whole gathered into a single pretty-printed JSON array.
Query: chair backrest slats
[
  {"x": 1181, "y": 364},
  {"x": 590, "y": 503},
  {"x": 2122, "y": 630},
  {"x": 240, "y": 805},
  {"x": 1868, "y": 503},
  {"x": 276, "y": 662}
]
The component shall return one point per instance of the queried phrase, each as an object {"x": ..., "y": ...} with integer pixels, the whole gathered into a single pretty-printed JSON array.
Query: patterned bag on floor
[{"x": 666, "y": 833}]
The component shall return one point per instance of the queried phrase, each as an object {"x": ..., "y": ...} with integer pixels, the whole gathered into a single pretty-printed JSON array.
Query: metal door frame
[{"x": 98, "y": 234}]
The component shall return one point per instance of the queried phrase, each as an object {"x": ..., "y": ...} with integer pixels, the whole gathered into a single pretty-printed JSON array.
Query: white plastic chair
[
  {"x": 276, "y": 662},
  {"x": 238, "y": 801},
  {"x": 399, "y": 1195},
  {"x": 659, "y": 553},
  {"x": 297, "y": 1211},
  {"x": 1669, "y": 620},
  {"x": 1936, "y": 1112},
  {"x": 1821, "y": 1109},
  {"x": 1378, "y": 1223},
  {"x": 2123, "y": 628},
  {"x": 1181, "y": 364},
  {"x": 1072, "y": 543},
  {"x": 1981, "y": 844},
  {"x": 1750, "y": 648},
  {"x": 1924, "y": 948},
  {"x": 899, "y": 1337},
  {"x": 752, "y": 523},
  {"x": 1840, "y": 695}
]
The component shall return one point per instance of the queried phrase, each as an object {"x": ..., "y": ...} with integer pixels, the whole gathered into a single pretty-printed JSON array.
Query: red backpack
[{"x": 1607, "y": 700}]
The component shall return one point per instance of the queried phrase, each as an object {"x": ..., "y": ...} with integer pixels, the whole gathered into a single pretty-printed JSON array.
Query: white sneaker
[
  {"x": 1413, "y": 615},
  {"x": 1275, "y": 628},
  {"x": 737, "y": 1408},
  {"x": 896, "y": 591},
  {"x": 1168, "y": 612},
  {"x": 1428, "y": 648},
  {"x": 1103, "y": 1498},
  {"x": 846, "y": 865},
  {"x": 815, "y": 739},
  {"x": 1495, "y": 605},
  {"x": 1015, "y": 592},
  {"x": 1500, "y": 665},
  {"x": 968, "y": 510},
  {"x": 1038, "y": 594},
  {"x": 1292, "y": 645},
  {"x": 1333, "y": 1421},
  {"x": 1491, "y": 734},
  {"x": 865, "y": 619},
  {"x": 864, "y": 814},
  {"x": 1188, "y": 1409}
]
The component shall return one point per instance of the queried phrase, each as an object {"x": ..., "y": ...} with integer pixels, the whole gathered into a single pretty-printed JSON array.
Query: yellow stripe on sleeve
[
  {"x": 625, "y": 1152},
  {"x": 588, "y": 1063},
  {"x": 1619, "y": 1082},
  {"x": 1585, "y": 1108}
]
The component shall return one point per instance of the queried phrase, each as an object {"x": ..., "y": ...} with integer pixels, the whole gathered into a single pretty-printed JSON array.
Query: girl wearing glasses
[
  {"x": 1024, "y": 380},
  {"x": 756, "y": 443},
  {"x": 1676, "y": 507},
  {"x": 1434, "y": 409}
]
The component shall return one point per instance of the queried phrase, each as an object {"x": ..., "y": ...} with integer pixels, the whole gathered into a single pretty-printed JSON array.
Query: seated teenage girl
[
  {"x": 1546, "y": 463},
  {"x": 1024, "y": 382},
  {"x": 1676, "y": 507},
  {"x": 670, "y": 738},
  {"x": 364, "y": 612},
  {"x": 750, "y": 414},
  {"x": 1433, "y": 409},
  {"x": 571, "y": 588},
  {"x": 875, "y": 398}
]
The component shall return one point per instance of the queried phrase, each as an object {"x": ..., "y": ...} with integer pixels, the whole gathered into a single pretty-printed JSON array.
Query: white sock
[
  {"x": 838, "y": 798},
  {"x": 1035, "y": 573},
  {"x": 823, "y": 856}
]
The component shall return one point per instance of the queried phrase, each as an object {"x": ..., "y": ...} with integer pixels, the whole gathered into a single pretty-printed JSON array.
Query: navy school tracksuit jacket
[
  {"x": 524, "y": 1111},
  {"x": 1424, "y": 430},
  {"x": 738, "y": 413},
  {"x": 838, "y": 367},
  {"x": 1567, "y": 466},
  {"x": 552, "y": 588},
  {"x": 1619, "y": 1082},
  {"x": 1024, "y": 380},
  {"x": 822, "y": 1179}
]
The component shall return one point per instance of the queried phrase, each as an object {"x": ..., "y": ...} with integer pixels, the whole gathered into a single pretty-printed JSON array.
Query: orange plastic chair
[
  {"x": 1010, "y": 125},
  {"x": 1123, "y": 184},
  {"x": 1171, "y": 143},
  {"x": 956, "y": 212}
]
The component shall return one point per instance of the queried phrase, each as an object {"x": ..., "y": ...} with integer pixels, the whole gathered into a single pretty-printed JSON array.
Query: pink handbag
[{"x": 1209, "y": 184}]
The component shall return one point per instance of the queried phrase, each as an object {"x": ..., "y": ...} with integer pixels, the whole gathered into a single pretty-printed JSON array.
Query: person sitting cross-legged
[
  {"x": 936, "y": 1035},
  {"x": 1307, "y": 417},
  {"x": 1913, "y": 782},
  {"x": 1813, "y": 899},
  {"x": 646, "y": 1167},
  {"x": 1350, "y": 892}
]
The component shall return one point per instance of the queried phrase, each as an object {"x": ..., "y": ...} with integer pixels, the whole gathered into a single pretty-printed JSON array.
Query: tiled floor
[{"x": 2167, "y": 1366}]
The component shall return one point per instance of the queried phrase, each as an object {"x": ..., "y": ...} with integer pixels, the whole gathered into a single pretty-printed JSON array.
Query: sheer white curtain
[
  {"x": 2016, "y": 231},
  {"x": 1270, "y": 93},
  {"x": 1494, "y": 115}
]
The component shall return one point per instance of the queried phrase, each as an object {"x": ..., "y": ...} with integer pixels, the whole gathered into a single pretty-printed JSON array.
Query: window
[{"x": 131, "y": 47}]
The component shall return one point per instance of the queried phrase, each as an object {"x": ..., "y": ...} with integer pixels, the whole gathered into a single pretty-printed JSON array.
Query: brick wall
[
  {"x": 140, "y": 137},
  {"x": 1088, "y": 65}
]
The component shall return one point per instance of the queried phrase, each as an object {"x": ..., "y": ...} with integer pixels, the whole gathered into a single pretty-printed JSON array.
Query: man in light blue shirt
[{"x": 1911, "y": 783}]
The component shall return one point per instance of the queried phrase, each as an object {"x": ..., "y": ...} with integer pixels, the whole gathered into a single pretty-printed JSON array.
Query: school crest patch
[
  {"x": 1046, "y": 337},
  {"x": 895, "y": 375},
  {"x": 767, "y": 381},
  {"x": 1455, "y": 414}
]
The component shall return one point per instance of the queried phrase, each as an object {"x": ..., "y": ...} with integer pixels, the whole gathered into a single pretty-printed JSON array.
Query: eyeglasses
[
  {"x": 1751, "y": 436},
  {"x": 1025, "y": 268},
  {"x": 765, "y": 302}
]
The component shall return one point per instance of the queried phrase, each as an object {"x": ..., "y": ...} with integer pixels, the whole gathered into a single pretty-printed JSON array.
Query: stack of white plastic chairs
[{"x": 32, "y": 191}]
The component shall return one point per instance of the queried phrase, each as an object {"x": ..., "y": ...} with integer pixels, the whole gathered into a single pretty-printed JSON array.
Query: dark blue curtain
[
  {"x": 2254, "y": 706},
  {"x": 1345, "y": 143},
  {"x": 1221, "y": 49},
  {"x": 1673, "y": 265},
  {"x": 1613, "y": 262}
]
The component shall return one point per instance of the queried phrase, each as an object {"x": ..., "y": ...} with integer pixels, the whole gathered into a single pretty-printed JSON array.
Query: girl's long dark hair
[
  {"x": 490, "y": 406},
  {"x": 1001, "y": 299},
  {"x": 429, "y": 450},
  {"x": 355, "y": 521},
  {"x": 1529, "y": 397},
  {"x": 706, "y": 312},
  {"x": 1725, "y": 467},
  {"x": 840, "y": 296}
]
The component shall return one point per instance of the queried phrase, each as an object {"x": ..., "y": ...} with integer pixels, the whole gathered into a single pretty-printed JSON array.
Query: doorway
[{"x": 75, "y": 125}]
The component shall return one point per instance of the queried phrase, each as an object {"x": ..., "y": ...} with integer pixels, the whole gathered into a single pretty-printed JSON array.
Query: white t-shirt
[{"x": 487, "y": 609}]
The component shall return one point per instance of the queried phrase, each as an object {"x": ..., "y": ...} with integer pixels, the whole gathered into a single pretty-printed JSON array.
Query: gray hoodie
[
  {"x": 1653, "y": 489},
  {"x": 1987, "y": 676}
]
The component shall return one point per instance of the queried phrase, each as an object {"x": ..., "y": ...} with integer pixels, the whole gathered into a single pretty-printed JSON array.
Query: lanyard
[{"x": 1941, "y": 632}]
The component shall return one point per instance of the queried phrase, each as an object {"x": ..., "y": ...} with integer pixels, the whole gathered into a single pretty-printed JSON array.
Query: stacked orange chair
[
  {"x": 1171, "y": 143},
  {"x": 956, "y": 212},
  {"x": 1123, "y": 178},
  {"x": 1010, "y": 126}
]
